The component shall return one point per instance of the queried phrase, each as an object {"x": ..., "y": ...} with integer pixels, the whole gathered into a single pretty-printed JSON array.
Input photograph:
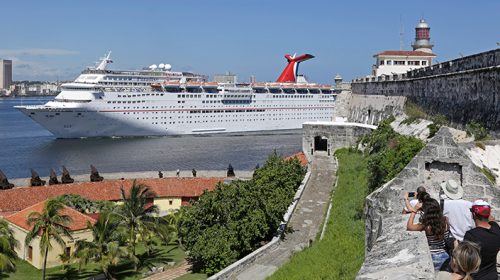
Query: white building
[{"x": 399, "y": 62}]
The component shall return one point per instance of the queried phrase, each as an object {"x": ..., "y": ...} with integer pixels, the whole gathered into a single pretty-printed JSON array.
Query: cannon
[
  {"x": 94, "y": 175},
  {"x": 230, "y": 171},
  {"x": 35, "y": 180},
  {"x": 53, "y": 178},
  {"x": 4, "y": 183},
  {"x": 65, "y": 178}
]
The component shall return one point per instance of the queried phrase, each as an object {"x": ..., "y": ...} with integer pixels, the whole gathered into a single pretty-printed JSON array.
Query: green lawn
[
  {"x": 124, "y": 270},
  {"x": 341, "y": 252}
]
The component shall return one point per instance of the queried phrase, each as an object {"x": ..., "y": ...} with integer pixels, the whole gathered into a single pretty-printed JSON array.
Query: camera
[{"x": 411, "y": 194}]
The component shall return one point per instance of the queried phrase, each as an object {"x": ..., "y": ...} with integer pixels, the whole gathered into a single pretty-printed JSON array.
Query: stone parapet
[{"x": 391, "y": 251}]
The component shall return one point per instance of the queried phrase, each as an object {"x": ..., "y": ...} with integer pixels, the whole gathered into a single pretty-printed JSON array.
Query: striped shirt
[{"x": 437, "y": 245}]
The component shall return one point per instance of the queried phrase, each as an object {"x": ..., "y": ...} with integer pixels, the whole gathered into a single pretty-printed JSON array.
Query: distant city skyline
[{"x": 55, "y": 40}]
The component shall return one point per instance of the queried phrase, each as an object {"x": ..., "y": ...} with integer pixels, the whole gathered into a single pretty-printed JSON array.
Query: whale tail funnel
[{"x": 290, "y": 72}]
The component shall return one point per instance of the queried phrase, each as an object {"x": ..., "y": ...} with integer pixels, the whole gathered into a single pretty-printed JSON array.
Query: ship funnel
[{"x": 290, "y": 72}]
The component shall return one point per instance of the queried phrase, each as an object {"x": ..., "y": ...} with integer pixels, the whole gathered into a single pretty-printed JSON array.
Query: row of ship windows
[
  {"x": 220, "y": 111},
  {"x": 237, "y": 120},
  {"x": 177, "y": 89},
  {"x": 231, "y": 111},
  {"x": 194, "y": 107},
  {"x": 139, "y": 95},
  {"x": 218, "y": 95},
  {"x": 203, "y": 101}
]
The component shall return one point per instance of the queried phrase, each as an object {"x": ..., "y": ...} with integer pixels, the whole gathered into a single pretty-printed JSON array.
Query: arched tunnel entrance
[{"x": 320, "y": 143}]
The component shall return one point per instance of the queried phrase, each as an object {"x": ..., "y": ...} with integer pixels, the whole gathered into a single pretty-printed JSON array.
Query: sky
[{"x": 57, "y": 39}]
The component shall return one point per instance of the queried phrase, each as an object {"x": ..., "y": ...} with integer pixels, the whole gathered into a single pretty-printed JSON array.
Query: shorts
[{"x": 438, "y": 259}]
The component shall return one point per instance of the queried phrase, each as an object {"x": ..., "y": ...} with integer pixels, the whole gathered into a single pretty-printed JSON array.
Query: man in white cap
[
  {"x": 487, "y": 235},
  {"x": 456, "y": 209}
]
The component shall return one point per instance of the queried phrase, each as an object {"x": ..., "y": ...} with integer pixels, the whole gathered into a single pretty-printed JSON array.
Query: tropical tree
[
  {"x": 48, "y": 225},
  {"x": 136, "y": 215},
  {"x": 7, "y": 245},
  {"x": 105, "y": 248},
  {"x": 172, "y": 221}
]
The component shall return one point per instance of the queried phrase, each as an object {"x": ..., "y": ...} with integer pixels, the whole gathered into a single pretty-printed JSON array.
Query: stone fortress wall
[
  {"x": 391, "y": 251},
  {"x": 463, "y": 89}
]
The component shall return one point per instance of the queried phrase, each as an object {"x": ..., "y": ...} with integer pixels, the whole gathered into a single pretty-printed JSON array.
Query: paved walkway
[
  {"x": 172, "y": 273},
  {"x": 306, "y": 220}
]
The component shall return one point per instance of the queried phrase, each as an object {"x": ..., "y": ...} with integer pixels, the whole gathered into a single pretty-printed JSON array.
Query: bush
[
  {"x": 487, "y": 172},
  {"x": 437, "y": 121},
  {"x": 413, "y": 113},
  {"x": 388, "y": 153},
  {"x": 480, "y": 145},
  {"x": 231, "y": 221},
  {"x": 476, "y": 129}
]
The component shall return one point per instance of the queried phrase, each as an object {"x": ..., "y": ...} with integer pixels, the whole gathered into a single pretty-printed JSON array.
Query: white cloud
[
  {"x": 32, "y": 64},
  {"x": 36, "y": 52},
  {"x": 34, "y": 70}
]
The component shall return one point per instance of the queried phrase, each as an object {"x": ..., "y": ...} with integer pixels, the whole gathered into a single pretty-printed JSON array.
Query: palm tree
[
  {"x": 7, "y": 245},
  {"x": 105, "y": 247},
  {"x": 136, "y": 215},
  {"x": 172, "y": 220},
  {"x": 50, "y": 224}
]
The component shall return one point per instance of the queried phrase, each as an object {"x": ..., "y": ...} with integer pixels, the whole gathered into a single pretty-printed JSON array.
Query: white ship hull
[{"x": 160, "y": 116}]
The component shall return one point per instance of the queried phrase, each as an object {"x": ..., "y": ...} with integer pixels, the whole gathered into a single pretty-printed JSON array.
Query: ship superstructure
[{"x": 157, "y": 101}]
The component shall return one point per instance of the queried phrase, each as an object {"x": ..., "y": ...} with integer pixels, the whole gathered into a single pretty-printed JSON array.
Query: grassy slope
[{"x": 341, "y": 252}]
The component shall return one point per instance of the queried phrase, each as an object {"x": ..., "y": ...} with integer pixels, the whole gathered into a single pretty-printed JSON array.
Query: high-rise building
[{"x": 5, "y": 73}]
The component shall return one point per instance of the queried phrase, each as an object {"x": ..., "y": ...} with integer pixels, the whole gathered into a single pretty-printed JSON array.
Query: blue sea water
[{"x": 24, "y": 144}]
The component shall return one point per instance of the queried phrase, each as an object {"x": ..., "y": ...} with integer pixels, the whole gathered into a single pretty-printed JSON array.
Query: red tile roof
[
  {"x": 405, "y": 53},
  {"x": 17, "y": 199},
  {"x": 78, "y": 220},
  {"x": 301, "y": 157}
]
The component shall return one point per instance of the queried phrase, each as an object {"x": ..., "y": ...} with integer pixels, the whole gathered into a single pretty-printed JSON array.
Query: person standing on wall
[{"x": 456, "y": 209}]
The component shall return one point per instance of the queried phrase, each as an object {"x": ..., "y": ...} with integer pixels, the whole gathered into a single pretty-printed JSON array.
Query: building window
[
  {"x": 381, "y": 62},
  {"x": 30, "y": 253},
  {"x": 424, "y": 62},
  {"x": 67, "y": 251},
  {"x": 399, "y": 62},
  {"x": 170, "y": 202},
  {"x": 389, "y": 62}
]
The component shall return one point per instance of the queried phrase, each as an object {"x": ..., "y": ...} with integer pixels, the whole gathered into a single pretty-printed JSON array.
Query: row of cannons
[{"x": 36, "y": 181}]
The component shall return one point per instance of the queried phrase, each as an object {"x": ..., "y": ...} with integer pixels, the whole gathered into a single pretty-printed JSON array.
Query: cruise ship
[{"x": 157, "y": 101}]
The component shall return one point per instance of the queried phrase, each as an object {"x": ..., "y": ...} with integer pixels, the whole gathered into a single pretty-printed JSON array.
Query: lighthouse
[
  {"x": 422, "y": 37},
  {"x": 390, "y": 63}
]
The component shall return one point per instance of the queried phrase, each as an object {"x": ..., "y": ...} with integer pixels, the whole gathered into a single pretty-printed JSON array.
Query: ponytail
[{"x": 467, "y": 276}]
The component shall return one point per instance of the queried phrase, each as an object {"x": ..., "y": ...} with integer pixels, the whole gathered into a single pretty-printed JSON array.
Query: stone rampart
[
  {"x": 463, "y": 89},
  {"x": 372, "y": 109},
  {"x": 391, "y": 251},
  {"x": 336, "y": 134}
]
